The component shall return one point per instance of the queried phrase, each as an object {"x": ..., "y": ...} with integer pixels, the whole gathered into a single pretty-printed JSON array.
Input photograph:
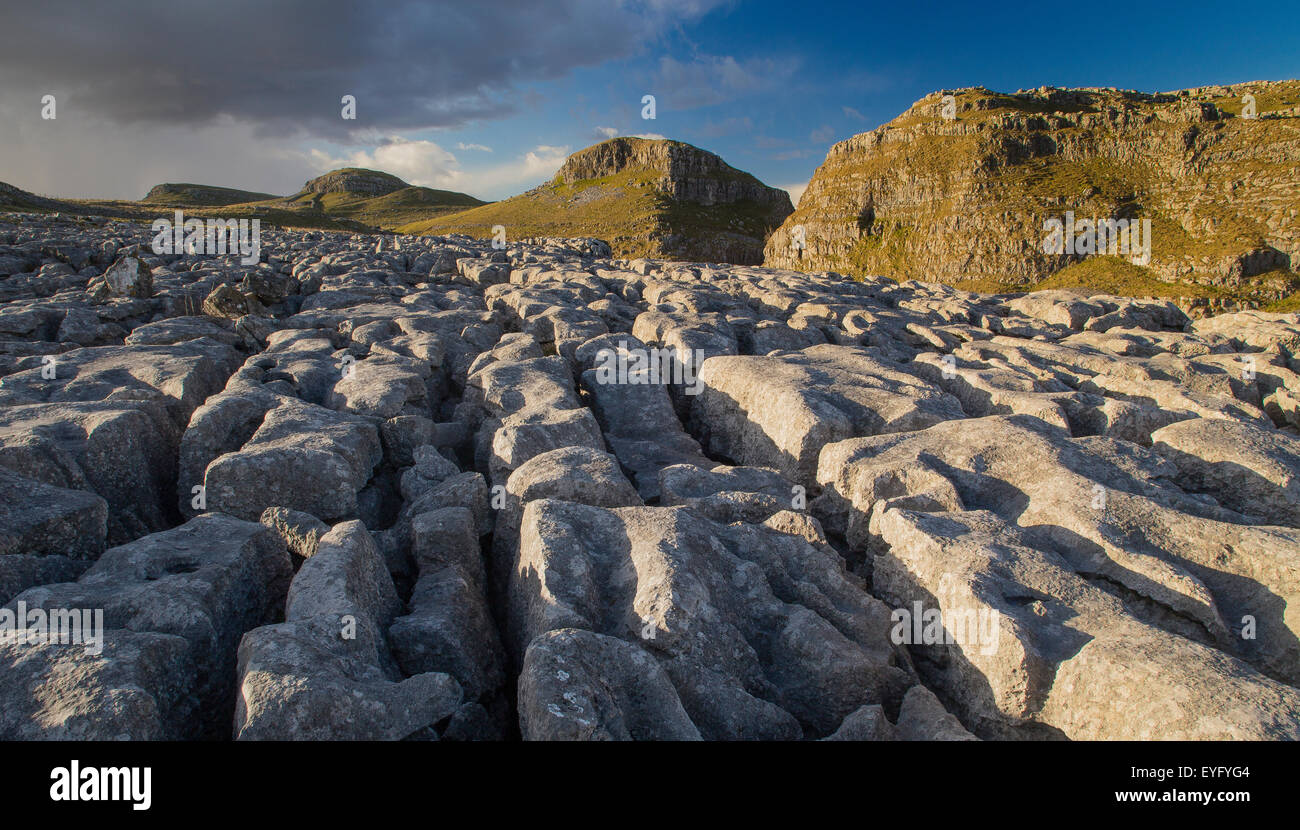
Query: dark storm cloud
[{"x": 285, "y": 65}]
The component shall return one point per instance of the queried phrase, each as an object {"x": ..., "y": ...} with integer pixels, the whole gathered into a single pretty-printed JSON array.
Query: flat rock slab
[{"x": 779, "y": 411}]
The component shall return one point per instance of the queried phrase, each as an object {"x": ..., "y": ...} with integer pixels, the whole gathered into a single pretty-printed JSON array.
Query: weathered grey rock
[
  {"x": 180, "y": 330},
  {"x": 83, "y": 327},
  {"x": 37, "y": 519},
  {"x": 346, "y": 575},
  {"x": 923, "y": 718},
  {"x": 533, "y": 409},
  {"x": 1067, "y": 658},
  {"x": 857, "y": 445},
  {"x": 806, "y": 670},
  {"x": 1253, "y": 330},
  {"x": 450, "y": 630},
  {"x": 128, "y": 277},
  {"x": 580, "y": 686},
  {"x": 382, "y": 387},
  {"x": 402, "y": 434},
  {"x": 1191, "y": 568},
  {"x": 18, "y": 572},
  {"x": 175, "y": 604},
  {"x": 1060, "y": 308},
  {"x": 577, "y": 474},
  {"x": 139, "y": 688},
  {"x": 109, "y": 421},
  {"x": 300, "y": 532},
  {"x": 226, "y": 301},
  {"x": 779, "y": 411},
  {"x": 304, "y": 681},
  {"x": 636, "y": 415},
  {"x": 482, "y": 273},
  {"x": 865, "y": 724},
  {"x": 684, "y": 484},
  {"x": 1250, "y": 469},
  {"x": 525, "y": 436},
  {"x": 429, "y": 468},
  {"x": 302, "y": 457},
  {"x": 446, "y": 538},
  {"x": 326, "y": 672}
]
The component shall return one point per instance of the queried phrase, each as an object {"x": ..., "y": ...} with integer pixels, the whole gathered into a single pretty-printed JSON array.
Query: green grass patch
[
  {"x": 181, "y": 195},
  {"x": 1096, "y": 275}
]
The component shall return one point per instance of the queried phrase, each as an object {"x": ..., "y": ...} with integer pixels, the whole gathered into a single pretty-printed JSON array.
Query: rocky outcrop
[
  {"x": 355, "y": 180},
  {"x": 683, "y": 172},
  {"x": 965, "y": 196},
  {"x": 645, "y": 197}
]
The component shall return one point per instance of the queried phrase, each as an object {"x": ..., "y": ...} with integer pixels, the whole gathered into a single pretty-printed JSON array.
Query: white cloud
[
  {"x": 421, "y": 162},
  {"x": 427, "y": 164},
  {"x": 655, "y": 136},
  {"x": 528, "y": 170},
  {"x": 463, "y": 146},
  {"x": 143, "y": 105},
  {"x": 854, "y": 114},
  {"x": 795, "y": 191},
  {"x": 544, "y": 157},
  {"x": 607, "y": 132}
]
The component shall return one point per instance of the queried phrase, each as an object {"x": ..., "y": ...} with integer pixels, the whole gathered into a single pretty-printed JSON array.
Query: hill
[
  {"x": 379, "y": 200},
  {"x": 171, "y": 193},
  {"x": 19, "y": 200},
  {"x": 964, "y": 200},
  {"x": 350, "y": 199},
  {"x": 646, "y": 197}
]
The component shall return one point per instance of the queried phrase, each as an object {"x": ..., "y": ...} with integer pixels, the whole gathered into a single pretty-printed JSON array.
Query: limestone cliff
[{"x": 964, "y": 198}]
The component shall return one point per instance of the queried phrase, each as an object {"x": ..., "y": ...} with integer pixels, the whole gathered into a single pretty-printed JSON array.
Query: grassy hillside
[
  {"x": 623, "y": 209},
  {"x": 338, "y": 210},
  {"x": 386, "y": 212},
  {"x": 645, "y": 197},
  {"x": 199, "y": 195}
]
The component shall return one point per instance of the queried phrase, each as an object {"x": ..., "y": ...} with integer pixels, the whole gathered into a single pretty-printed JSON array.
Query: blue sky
[{"x": 489, "y": 99}]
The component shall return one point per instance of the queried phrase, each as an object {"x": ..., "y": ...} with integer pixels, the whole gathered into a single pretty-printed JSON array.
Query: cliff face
[
  {"x": 647, "y": 198},
  {"x": 966, "y": 198},
  {"x": 685, "y": 172}
]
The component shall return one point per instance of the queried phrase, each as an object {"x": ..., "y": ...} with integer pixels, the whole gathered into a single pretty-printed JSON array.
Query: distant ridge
[
  {"x": 380, "y": 200},
  {"x": 171, "y": 193}
]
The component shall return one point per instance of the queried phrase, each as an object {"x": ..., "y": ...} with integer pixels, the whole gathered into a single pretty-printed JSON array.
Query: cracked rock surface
[{"x": 435, "y": 490}]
